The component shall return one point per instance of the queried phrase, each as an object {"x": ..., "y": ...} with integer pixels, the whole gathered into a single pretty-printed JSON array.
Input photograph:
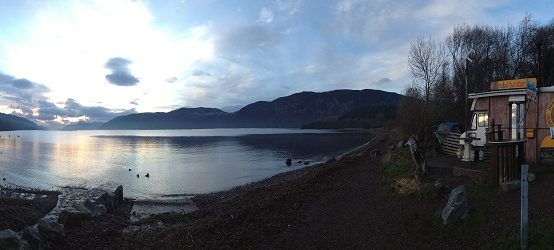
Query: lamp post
[{"x": 465, "y": 107}]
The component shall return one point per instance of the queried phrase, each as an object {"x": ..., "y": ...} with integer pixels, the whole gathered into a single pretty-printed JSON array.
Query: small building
[{"x": 515, "y": 110}]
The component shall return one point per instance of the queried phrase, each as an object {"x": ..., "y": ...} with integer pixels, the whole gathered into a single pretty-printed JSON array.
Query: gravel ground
[{"x": 16, "y": 213}]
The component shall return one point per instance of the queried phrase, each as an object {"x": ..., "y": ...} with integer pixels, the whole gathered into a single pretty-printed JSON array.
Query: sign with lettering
[
  {"x": 548, "y": 112},
  {"x": 531, "y": 91},
  {"x": 513, "y": 84}
]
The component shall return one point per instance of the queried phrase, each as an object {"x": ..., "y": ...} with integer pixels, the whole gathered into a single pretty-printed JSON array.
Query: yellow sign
[
  {"x": 513, "y": 84},
  {"x": 530, "y": 133},
  {"x": 548, "y": 113}
]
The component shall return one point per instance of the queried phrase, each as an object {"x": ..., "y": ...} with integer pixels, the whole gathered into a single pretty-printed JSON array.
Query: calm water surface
[{"x": 179, "y": 161}]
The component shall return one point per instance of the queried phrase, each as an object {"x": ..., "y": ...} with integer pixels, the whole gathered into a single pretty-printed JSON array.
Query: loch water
[{"x": 189, "y": 161}]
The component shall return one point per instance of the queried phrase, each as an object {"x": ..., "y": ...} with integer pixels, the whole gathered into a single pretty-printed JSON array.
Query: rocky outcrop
[
  {"x": 457, "y": 207},
  {"x": 118, "y": 195},
  {"x": 51, "y": 231},
  {"x": 32, "y": 235},
  {"x": 288, "y": 162},
  {"x": 74, "y": 216},
  {"x": 9, "y": 240},
  {"x": 74, "y": 207}
]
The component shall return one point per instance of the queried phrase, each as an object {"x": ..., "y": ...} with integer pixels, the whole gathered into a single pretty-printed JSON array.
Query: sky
[{"x": 63, "y": 62}]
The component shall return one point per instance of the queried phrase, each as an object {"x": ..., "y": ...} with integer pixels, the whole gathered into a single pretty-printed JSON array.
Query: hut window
[
  {"x": 483, "y": 120},
  {"x": 517, "y": 118}
]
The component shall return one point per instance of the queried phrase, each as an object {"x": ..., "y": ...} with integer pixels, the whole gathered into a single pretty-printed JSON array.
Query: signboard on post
[
  {"x": 531, "y": 91},
  {"x": 513, "y": 84}
]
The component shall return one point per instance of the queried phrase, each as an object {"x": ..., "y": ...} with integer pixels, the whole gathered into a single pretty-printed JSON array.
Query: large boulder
[
  {"x": 51, "y": 230},
  {"x": 34, "y": 238},
  {"x": 118, "y": 195},
  {"x": 99, "y": 210},
  {"x": 288, "y": 162},
  {"x": 71, "y": 216},
  {"x": 81, "y": 208},
  {"x": 457, "y": 207},
  {"x": 9, "y": 240},
  {"x": 108, "y": 200}
]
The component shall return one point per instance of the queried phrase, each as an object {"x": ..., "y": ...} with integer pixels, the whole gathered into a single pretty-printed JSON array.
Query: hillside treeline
[{"x": 439, "y": 68}]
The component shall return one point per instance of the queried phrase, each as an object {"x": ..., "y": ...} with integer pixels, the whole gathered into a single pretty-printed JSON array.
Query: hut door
[{"x": 517, "y": 123}]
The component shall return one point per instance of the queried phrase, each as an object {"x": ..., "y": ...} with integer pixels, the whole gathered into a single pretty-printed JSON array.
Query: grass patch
[
  {"x": 541, "y": 236},
  {"x": 400, "y": 165},
  {"x": 476, "y": 220},
  {"x": 431, "y": 191},
  {"x": 510, "y": 241},
  {"x": 481, "y": 189}
]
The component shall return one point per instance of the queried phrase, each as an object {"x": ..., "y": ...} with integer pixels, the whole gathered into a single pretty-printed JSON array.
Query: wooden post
[{"x": 524, "y": 206}]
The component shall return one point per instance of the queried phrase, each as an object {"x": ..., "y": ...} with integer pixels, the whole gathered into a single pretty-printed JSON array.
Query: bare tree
[{"x": 426, "y": 59}]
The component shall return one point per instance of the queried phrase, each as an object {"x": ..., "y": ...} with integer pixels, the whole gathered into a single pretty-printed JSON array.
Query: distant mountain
[
  {"x": 286, "y": 112},
  {"x": 297, "y": 109},
  {"x": 83, "y": 126},
  {"x": 231, "y": 109},
  {"x": 362, "y": 117},
  {"x": 183, "y": 118},
  {"x": 12, "y": 122}
]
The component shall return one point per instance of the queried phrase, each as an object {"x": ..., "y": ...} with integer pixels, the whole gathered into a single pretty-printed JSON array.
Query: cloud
[
  {"x": 172, "y": 79},
  {"x": 134, "y": 102},
  {"x": 20, "y": 92},
  {"x": 19, "y": 84},
  {"x": 290, "y": 7},
  {"x": 72, "y": 109},
  {"x": 25, "y": 98},
  {"x": 120, "y": 75},
  {"x": 200, "y": 73},
  {"x": 266, "y": 16},
  {"x": 22, "y": 84},
  {"x": 383, "y": 82}
]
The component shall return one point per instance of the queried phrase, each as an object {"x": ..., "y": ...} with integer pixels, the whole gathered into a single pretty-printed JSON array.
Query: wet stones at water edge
[
  {"x": 288, "y": 162},
  {"x": 331, "y": 160},
  {"x": 87, "y": 210},
  {"x": 457, "y": 206}
]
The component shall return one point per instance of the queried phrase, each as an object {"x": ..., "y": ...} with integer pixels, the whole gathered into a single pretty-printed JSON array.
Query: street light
[{"x": 465, "y": 108}]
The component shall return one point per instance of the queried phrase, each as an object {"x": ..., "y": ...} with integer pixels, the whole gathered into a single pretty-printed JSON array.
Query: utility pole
[
  {"x": 539, "y": 53},
  {"x": 466, "y": 111}
]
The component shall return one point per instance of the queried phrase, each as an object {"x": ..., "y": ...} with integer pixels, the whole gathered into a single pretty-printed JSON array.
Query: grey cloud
[
  {"x": 22, "y": 84},
  {"x": 10, "y": 84},
  {"x": 134, "y": 102},
  {"x": 21, "y": 94},
  {"x": 172, "y": 80},
  {"x": 200, "y": 73},
  {"x": 121, "y": 75},
  {"x": 25, "y": 96},
  {"x": 382, "y": 82},
  {"x": 95, "y": 113},
  {"x": 48, "y": 111}
]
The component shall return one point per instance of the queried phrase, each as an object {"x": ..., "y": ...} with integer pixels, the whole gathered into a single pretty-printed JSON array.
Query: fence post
[{"x": 524, "y": 206}]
